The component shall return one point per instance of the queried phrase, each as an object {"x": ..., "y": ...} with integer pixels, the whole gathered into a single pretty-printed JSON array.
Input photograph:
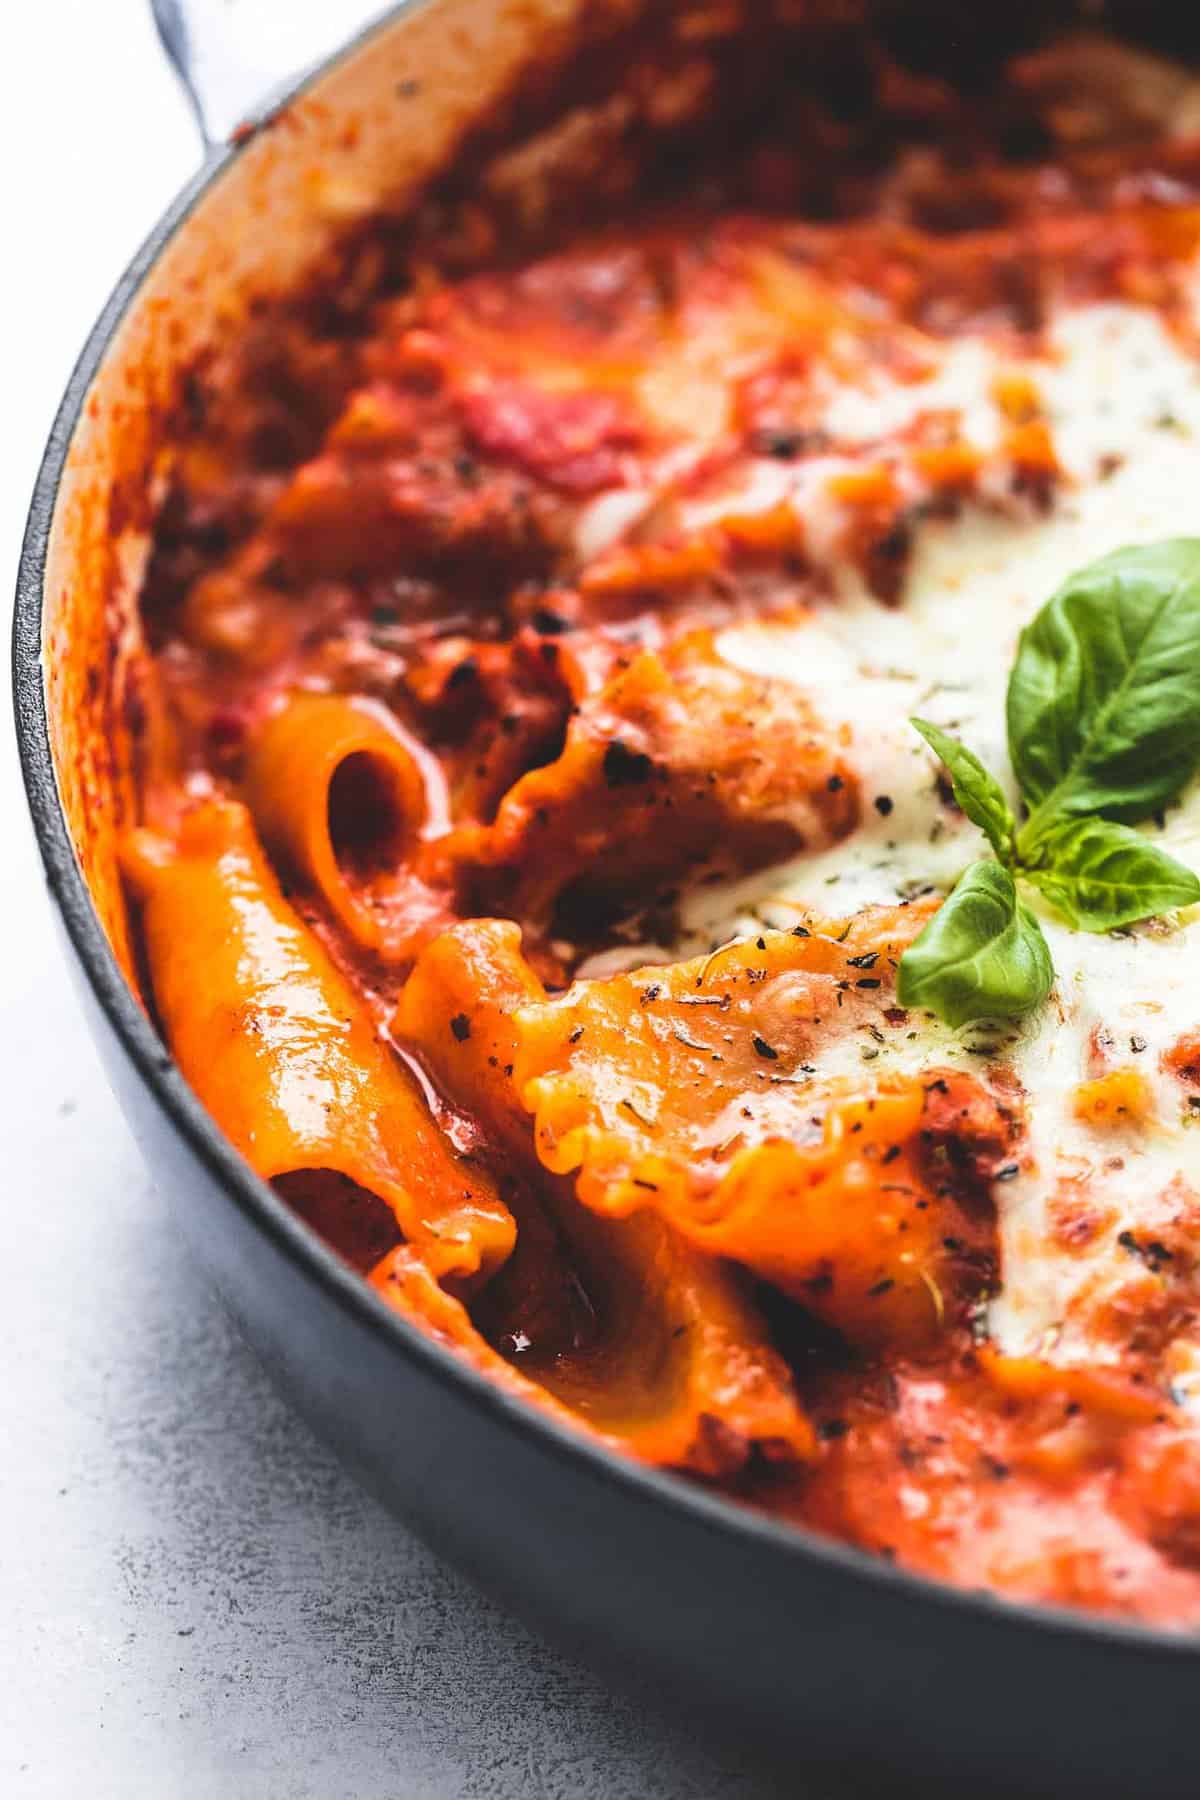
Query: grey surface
[
  {"x": 194, "y": 1600},
  {"x": 197, "y": 1600}
]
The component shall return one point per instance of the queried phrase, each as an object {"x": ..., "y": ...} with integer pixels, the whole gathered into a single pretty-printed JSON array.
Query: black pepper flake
[
  {"x": 1137, "y": 1044},
  {"x": 801, "y": 931},
  {"x": 651, "y": 993},
  {"x": 1007, "y": 1172},
  {"x": 1154, "y": 1254},
  {"x": 764, "y": 1049},
  {"x": 880, "y": 1287},
  {"x": 884, "y": 805},
  {"x": 867, "y": 960},
  {"x": 760, "y": 943},
  {"x": 868, "y": 981},
  {"x": 574, "y": 1036},
  {"x": 460, "y": 1025},
  {"x": 550, "y": 624},
  {"x": 891, "y": 1153},
  {"x": 835, "y": 784},
  {"x": 829, "y": 1429},
  {"x": 624, "y": 767},
  {"x": 783, "y": 443}
]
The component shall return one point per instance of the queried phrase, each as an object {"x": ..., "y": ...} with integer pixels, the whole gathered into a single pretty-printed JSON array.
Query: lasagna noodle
[
  {"x": 682, "y": 1372},
  {"x": 694, "y": 1091},
  {"x": 405, "y": 1282},
  {"x": 283, "y": 1053},
  {"x": 340, "y": 796},
  {"x": 679, "y": 761}
]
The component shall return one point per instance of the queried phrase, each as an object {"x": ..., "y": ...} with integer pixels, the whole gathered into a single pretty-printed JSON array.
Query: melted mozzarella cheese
[{"x": 1123, "y": 402}]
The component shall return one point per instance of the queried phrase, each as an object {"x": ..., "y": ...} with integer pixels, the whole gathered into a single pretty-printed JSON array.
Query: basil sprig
[
  {"x": 976, "y": 790},
  {"x": 1101, "y": 876},
  {"x": 1104, "y": 697},
  {"x": 1103, "y": 730},
  {"x": 982, "y": 955}
]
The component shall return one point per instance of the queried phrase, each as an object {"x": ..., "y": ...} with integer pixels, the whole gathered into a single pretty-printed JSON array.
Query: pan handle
[{"x": 230, "y": 54}]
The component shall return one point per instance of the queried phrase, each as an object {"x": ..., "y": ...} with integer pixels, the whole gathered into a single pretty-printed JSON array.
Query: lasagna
[{"x": 534, "y": 831}]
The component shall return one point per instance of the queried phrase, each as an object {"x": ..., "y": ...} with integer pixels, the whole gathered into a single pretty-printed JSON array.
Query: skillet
[{"x": 846, "y": 1666}]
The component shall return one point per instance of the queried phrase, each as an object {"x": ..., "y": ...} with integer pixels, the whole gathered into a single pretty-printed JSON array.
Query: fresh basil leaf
[
  {"x": 977, "y": 792},
  {"x": 1100, "y": 875},
  {"x": 1104, "y": 696},
  {"x": 981, "y": 956}
]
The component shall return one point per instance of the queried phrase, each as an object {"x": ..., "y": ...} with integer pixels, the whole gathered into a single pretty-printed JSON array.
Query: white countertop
[{"x": 194, "y": 1599}]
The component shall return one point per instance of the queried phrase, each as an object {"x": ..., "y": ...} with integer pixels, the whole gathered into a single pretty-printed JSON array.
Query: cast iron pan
[{"x": 851, "y": 1671}]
